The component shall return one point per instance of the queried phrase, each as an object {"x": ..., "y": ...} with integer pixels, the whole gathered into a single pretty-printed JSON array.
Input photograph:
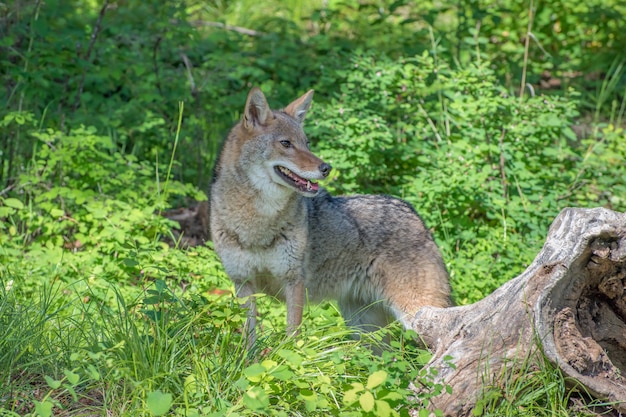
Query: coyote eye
[{"x": 285, "y": 143}]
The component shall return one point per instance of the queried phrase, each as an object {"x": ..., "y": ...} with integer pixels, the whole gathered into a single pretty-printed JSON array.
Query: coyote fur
[{"x": 278, "y": 232}]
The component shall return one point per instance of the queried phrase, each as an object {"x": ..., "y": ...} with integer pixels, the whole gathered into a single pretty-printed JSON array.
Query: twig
[
  {"x": 430, "y": 122},
  {"x": 502, "y": 161},
  {"x": 188, "y": 66},
  {"x": 94, "y": 36},
  {"x": 526, "y": 48},
  {"x": 478, "y": 23},
  {"x": 238, "y": 29},
  {"x": 9, "y": 188},
  {"x": 155, "y": 65},
  {"x": 532, "y": 35}
]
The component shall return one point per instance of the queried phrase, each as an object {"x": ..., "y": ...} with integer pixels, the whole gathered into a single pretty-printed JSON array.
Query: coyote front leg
[
  {"x": 294, "y": 294},
  {"x": 246, "y": 290}
]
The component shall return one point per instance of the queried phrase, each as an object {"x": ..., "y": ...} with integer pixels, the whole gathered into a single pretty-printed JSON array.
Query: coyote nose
[{"x": 325, "y": 169}]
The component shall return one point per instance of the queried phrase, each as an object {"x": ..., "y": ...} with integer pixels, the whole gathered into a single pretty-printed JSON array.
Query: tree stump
[{"x": 570, "y": 305}]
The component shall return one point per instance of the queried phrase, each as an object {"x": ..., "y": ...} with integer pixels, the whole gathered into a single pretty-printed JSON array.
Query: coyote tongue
[{"x": 301, "y": 184}]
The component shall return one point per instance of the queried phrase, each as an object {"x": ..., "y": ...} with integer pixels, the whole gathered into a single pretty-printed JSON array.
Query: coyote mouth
[{"x": 299, "y": 183}]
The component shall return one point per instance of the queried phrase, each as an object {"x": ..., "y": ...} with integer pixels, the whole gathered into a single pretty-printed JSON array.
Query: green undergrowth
[
  {"x": 166, "y": 352},
  {"x": 101, "y": 310}
]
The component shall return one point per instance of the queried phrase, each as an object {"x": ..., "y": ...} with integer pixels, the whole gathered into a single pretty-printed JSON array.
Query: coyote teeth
[{"x": 300, "y": 183}]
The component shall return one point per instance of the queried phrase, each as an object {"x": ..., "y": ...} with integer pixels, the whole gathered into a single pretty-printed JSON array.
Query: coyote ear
[
  {"x": 298, "y": 108},
  {"x": 257, "y": 111}
]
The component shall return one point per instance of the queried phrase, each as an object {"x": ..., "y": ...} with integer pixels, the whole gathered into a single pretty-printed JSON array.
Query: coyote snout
[
  {"x": 303, "y": 182},
  {"x": 298, "y": 167},
  {"x": 277, "y": 231}
]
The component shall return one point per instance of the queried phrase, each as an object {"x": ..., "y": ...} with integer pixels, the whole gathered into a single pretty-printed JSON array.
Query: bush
[{"x": 487, "y": 170}]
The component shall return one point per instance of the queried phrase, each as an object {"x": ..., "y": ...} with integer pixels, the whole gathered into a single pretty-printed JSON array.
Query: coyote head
[{"x": 275, "y": 148}]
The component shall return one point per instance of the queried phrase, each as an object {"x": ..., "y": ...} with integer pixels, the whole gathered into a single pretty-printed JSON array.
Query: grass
[
  {"x": 534, "y": 387},
  {"x": 121, "y": 353},
  {"x": 65, "y": 355},
  {"x": 169, "y": 352}
]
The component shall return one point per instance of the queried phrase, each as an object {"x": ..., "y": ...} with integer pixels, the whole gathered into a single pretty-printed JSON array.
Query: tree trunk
[{"x": 570, "y": 305}]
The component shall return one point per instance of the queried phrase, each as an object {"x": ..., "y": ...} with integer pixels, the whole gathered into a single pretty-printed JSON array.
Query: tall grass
[
  {"x": 121, "y": 353},
  {"x": 63, "y": 354}
]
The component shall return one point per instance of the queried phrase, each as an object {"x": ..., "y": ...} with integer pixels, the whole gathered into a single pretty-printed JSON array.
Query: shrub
[{"x": 487, "y": 170}]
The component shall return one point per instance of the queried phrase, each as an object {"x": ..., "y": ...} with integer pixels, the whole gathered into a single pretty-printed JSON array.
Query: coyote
[{"x": 278, "y": 232}]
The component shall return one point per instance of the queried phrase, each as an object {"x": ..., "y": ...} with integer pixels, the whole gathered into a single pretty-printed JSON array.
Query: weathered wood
[{"x": 570, "y": 304}]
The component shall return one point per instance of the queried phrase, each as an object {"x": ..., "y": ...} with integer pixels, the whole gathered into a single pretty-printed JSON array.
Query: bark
[{"x": 569, "y": 305}]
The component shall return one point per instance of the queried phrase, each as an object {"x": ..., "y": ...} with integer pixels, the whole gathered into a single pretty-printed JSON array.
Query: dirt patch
[{"x": 194, "y": 225}]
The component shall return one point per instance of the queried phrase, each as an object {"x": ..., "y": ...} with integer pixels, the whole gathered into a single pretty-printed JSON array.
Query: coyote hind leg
[{"x": 362, "y": 316}]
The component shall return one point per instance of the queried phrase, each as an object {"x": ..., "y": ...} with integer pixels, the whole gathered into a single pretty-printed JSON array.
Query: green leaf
[
  {"x": 310, "y": 405},
  {"x": 283, "y": 373},
  {"x": 350, "y": 397},
  {"x": 367, "y": 401},
  {"x": 5, "y": 211},
  {"x": 52, "y": 383},
  {"x": 159, "y": 403},
  {"x": 72, "y": 377},
  {"x": 392, "y": 396},
  {"x": 93, "y": 372},
  {"x": 255, "y": 372},
  {"x": 376, "y": 379},
  {"x": 291, "y": 357},
  {"x": 161, "y": 285},
  {"x": 383, "y": 409},
  {"x": 256, "y": 399},
  {"x": 55, "y": 212},
  {"x": 190, "y": 383},
  {"x": 424, "y": 412},
  {"x": 43, "y": 409},
  {"x": 72, "y": 391},
  {"x": 308, "y": 394},
  {"x": 14, "y": 203},
  {"x": 269, "y": 364},
  {"x": 131, "y": 263}
]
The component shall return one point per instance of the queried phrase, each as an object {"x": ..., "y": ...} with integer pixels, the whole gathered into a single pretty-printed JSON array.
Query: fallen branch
[
  {"x": 570, "y": 302},
  {"x": 220, "y": 25}
]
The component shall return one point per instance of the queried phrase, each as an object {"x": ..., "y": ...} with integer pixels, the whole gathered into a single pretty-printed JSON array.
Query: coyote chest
[
  {"x": 267, "y": 268},
  {"x": 263, "y": 252}
]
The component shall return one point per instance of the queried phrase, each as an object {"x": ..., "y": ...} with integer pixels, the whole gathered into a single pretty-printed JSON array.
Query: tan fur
[{"x": 287, "y": 237}]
